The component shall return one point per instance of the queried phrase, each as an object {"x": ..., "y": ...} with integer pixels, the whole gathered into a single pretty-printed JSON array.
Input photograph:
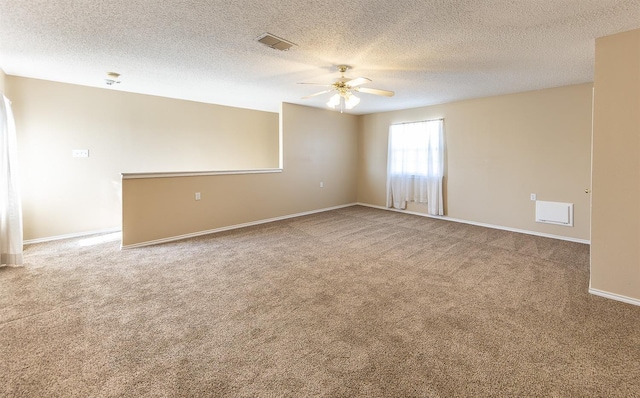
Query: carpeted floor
[{"x": 351, "y": 302}]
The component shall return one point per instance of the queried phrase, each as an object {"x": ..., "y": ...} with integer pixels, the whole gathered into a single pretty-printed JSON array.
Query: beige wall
[
  {"x": 615, "y": 248},
  {"x": 124, "y": 132},
  {"x": 499, "y": 150},
  {"x": 2, "y": 80},
  {"x": 319, "y": 146}
]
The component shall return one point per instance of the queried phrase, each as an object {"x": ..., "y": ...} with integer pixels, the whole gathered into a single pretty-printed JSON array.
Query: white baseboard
[
  {"x": 212, "y": 231},
  {"x": 479, "y": 224},
  {"x": 69, "y": 236},
  {"x": 614, "y": 296},
  {"x": 231, "y": 227}
]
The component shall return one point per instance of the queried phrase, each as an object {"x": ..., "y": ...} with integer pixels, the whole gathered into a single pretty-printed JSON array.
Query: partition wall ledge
[{"x": 131, "y": 176}]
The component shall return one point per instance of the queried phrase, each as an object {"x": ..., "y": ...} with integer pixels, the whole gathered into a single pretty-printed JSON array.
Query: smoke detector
[{"x": 112, "y": 78}]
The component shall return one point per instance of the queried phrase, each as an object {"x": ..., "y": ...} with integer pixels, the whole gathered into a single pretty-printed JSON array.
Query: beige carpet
[{"x": 351, "y": 302}]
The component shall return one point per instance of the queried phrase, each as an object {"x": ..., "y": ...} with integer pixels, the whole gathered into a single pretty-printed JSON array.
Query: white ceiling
[{"x": 427, "y": 51}]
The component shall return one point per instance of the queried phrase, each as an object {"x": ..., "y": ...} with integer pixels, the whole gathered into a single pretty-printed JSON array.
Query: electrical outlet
[
  {"x": 534, "y": 196},
  {"x": 80, "y": 153},
  {"x": 197, "y": 195},
  {"x": 321, "y": 184}
]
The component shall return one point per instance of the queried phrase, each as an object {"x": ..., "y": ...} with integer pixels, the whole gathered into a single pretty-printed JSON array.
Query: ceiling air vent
[{"x": 276, "y": 42}]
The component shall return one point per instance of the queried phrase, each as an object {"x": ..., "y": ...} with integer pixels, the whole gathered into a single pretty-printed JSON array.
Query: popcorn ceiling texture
[{"x": 427, "y": 51}]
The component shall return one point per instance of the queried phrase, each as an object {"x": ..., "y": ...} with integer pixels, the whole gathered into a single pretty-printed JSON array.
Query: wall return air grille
[{"x": 554, "y": 213}]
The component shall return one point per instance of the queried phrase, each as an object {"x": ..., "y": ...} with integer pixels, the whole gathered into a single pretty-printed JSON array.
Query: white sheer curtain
[
  {"x": 10, "y": 207},
  {"x": 416, "y": 165}
]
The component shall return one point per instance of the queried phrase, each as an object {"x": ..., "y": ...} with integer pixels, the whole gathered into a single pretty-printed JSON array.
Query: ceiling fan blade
[
  {"x": 376, "y": 91},
  {"x": 358, "y": 81},
  {"x": 313, "y": 95},
  {"x": 317, "y": 84}
]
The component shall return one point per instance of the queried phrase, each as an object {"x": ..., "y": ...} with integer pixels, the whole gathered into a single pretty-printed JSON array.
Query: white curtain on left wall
[{"x": 10, "y": 206}]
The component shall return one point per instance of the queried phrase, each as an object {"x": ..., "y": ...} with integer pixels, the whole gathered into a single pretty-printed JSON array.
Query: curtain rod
[{"x": 420, "y": 121}]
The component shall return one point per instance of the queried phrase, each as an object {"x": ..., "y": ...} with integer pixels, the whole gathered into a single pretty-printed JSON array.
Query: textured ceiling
[{"x": 427, "y": 51}]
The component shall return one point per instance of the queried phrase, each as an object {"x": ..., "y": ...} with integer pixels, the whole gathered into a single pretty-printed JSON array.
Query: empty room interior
[{"x": 336, "y": 199}]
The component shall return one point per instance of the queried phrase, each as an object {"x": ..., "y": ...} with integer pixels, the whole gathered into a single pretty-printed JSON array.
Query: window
[{"x": 416, "y": 165}]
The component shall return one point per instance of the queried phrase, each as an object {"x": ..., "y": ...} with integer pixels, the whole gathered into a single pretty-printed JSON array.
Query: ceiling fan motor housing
[{"x": 345, "y": 87}]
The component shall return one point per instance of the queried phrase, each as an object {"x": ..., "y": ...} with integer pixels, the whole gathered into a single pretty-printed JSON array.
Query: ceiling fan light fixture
[
  {"x": 334, "y": 101},
  {"x": 344, "y": 88},
  {"x": 351, "y": 101}
]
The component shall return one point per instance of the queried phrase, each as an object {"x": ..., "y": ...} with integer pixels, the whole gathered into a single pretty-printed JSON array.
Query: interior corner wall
[
  {"x": 124, "y": 132},
  {"x": 615, "y": 244},
  {"x": 319, "y": 146},
  {"x": 499, "y": 150}
]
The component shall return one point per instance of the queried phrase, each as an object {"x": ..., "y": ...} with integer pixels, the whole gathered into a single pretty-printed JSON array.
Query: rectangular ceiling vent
[{"x": 276, "y": 42}]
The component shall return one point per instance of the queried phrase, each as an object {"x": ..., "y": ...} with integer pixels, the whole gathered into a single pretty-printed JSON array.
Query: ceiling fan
[{"x": 345, "y": 88}]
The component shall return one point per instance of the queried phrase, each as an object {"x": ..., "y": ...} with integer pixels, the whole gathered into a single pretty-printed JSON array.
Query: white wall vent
[{"x": 554, "y": 213}]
